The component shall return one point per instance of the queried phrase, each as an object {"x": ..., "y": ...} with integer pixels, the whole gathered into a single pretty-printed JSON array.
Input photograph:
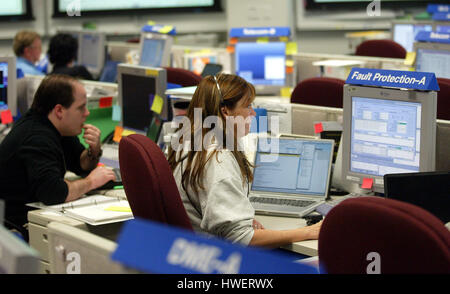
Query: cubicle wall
[{"x": 306, "y": 69}]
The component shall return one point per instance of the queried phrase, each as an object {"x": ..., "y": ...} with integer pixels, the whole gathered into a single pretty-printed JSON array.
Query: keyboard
[
  {"x": 278, "y": 201},
  {"x": 324, "y": 208},
  {"x": 111, "y": 184}
]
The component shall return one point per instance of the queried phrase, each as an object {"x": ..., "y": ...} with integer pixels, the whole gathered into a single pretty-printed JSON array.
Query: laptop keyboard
[{"x": 277, "y": 201}]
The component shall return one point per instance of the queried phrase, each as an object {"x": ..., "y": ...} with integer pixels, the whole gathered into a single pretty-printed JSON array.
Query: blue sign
[
  {"x": 393, "y": 79},
  {"x": 433, "y": 37},
  {"x": 260, "y": 32},
  {"x": 441, "y": 16},
  {"x": 160, "y": 29},
  {"x": 162, "y": 249},
  {"x": 436, "y": 8}
]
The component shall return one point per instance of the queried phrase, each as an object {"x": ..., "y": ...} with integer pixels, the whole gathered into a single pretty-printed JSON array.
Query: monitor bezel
[
  {"x": 12, "y": 79},
  {"x": 27, "y": 15},
  {"x": 428, "y": 100},
  {"x": 216, "y": 7},
  {"x": 143, "y": 71},
  {"x": 165, "y": 60}
]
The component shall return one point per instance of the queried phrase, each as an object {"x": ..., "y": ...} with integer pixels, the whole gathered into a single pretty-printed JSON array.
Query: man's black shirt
[{"x": 33, "y": 160}]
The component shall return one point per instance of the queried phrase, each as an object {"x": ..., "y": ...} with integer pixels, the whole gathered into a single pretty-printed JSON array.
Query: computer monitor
[
  {"x": 442, "y": 145},
  {"x": 91, "y": 51},
  {"x": 16, "y": 256},
  {"x": 2, "y": 212},
  {"x": 428, "y": 190},
  {"x": 405, "y": 33},
  {"x": 433, "y": 57},
  {"x": 387, "y": 131},
  {"x": 196, "y": 62},
  {"x": 8, "y": 87},
  {"x": 140, "y": 88},
  {"x": 262, "y": 64},
  {"x": 154, "y": 49}
]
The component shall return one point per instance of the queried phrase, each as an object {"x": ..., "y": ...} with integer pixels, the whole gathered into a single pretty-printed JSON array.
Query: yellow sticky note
[
  {"x": 151, "y": 72},
  {"x": 157, "y": 105},
  {"x": 284, "y": 39},
  {"x": 289, "y": 62},
  {"x": 262, "y": 40},
  {"x": 166, "y": 29},
  {"x": 410, "y": 58},
  {"x": 119, "y": 208},
  {"x": 291, "y": 48},
  {"x": 286, "y": 92},
  {"x": 126, "y": 132}
]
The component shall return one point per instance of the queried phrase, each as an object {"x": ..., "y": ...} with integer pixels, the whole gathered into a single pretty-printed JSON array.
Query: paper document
[{"x": 94, "y": 210}]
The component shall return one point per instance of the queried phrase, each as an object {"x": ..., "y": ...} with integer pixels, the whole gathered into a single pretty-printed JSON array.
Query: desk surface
[{"x": 308, "y": 247}]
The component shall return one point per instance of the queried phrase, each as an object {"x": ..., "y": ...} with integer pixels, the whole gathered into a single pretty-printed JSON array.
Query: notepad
[{"x": 94, "y": 210}]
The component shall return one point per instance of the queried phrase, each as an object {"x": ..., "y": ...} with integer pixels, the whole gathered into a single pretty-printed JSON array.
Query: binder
[{"x": 94, "y": 210}]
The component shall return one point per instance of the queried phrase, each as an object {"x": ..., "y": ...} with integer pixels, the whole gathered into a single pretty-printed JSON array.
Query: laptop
[
  {"x": 293, "y": 180},
  {"x": 429, "y": 190}
]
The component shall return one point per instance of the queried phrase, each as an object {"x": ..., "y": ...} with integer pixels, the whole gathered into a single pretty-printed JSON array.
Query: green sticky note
[{"x": 157, "y": 105}]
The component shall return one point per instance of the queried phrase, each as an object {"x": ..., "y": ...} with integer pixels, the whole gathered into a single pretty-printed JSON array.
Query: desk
[
  {"x": 38, "y": 221},
  {"x": 308, "y": 247}
]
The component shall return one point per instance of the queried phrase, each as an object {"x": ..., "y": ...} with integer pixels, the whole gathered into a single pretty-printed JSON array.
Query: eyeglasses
[{"x": 220, "y": 92}]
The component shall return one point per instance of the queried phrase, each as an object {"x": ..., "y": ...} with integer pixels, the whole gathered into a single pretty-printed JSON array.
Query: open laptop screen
[{"x": 299, "y": 167}]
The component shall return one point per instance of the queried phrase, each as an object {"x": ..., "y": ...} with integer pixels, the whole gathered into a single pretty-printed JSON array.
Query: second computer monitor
[
  {"x": 8, "y": 87},
  {"x": 92, "y": 51},
  {"x": 387, "y": 131},
  {"x": 405, "y": 33},
  {"x": 433, "y": 57},
  {"x": 262, "y": 64},
  {"x": 141, "y": 94},
  {"x": 155, "y": 49}
]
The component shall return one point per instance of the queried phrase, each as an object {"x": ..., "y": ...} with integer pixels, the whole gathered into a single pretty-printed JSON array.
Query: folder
[{"x": 94, "y": 210}]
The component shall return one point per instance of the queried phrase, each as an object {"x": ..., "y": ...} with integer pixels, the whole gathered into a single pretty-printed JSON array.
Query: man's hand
[
  {"x": 92, "y": 137},
  {"x": 100, "y": 176}
]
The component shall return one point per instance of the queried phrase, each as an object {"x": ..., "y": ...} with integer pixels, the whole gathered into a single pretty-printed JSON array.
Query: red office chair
[
  {"x": 149, "y": 184},
  {"x": 182, "y": 77},
  {"x": 406, "y": 238},
  {"x": 381, "y": 48},
  {"x": 443, "y": 99},
  {"x": 319, "y": 91}
]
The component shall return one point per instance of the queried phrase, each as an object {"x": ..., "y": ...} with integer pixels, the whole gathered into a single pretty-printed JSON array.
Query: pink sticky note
[
  {"x": 318, "y": 128},
  {"x": 6, "y": 117},
  {"x": 367, "y": 183}
]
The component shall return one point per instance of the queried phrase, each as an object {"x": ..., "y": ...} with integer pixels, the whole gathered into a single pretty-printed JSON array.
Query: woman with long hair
[{"x": 211, "y": 170}]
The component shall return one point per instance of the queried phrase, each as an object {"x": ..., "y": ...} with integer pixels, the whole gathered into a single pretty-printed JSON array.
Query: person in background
[
  {"x": 27, "y": 46},
  {"x": 43, "y": 145},
  {"x": 62, "y": 53},
  {"x": 214, "y": 180}
]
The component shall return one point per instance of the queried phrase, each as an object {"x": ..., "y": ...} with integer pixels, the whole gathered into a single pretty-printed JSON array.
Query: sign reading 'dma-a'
[
  {"x": 441, "y": 16},
  {"x": 260, "y": 32},
  {"x": 433, "y": 37},
  {"x": 158, "y": 248},
  {"x": 425, "y": 81},
  {"x": 438, "y": 8}
]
